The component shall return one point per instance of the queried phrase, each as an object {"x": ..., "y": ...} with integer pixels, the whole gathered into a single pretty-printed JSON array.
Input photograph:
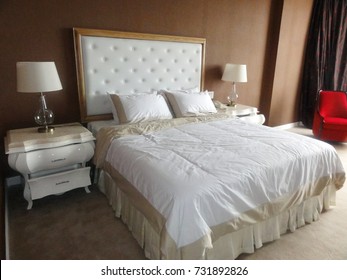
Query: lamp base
[
  {"x": 45, "y": 129},
  {"x": 232, "y": 104},
  {"x": 232, "y": 98}
]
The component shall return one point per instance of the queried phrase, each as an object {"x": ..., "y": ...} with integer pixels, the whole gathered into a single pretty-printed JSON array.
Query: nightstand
[
  {"x": 51, "y": 163},
  {"x": 246, "y": 113}
]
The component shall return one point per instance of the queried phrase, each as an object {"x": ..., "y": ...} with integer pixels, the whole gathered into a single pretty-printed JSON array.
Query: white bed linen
[{"x": 202, "y": 175}]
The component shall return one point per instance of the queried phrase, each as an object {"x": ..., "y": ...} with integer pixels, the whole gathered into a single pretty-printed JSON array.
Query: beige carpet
[{"x": 77, "y": 225}]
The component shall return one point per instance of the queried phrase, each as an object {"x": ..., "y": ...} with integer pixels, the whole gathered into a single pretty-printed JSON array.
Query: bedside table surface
[
  {"x": 242, "y": 110},
  {"x": 28, "y": 139}
]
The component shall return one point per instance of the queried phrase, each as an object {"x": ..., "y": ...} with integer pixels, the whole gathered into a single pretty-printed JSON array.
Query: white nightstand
[
  {"x": 51, "y": 163},
  {"x": 246, "y": 113}
]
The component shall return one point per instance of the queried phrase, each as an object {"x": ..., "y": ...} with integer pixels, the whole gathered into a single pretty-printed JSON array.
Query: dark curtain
[{"x": 326, "y": 54}]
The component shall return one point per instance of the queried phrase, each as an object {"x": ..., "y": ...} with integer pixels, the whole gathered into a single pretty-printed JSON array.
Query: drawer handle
[
  {"x": 58, "y": 159},
  {"x": 62, "y": 182}
]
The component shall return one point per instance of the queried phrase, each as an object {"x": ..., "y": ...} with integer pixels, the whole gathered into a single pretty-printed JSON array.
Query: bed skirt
[{"x": 228, "y": 246}]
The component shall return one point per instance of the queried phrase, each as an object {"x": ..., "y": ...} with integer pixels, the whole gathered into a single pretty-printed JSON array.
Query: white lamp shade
[
  {"x": 37, "y": 77},
  {"x": 235, "y": 73}
]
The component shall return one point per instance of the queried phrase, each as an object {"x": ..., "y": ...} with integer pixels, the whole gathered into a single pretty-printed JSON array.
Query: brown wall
[
  {"x": 295, "y": 20},
  {"x": 267, "y": 35},
  {"x": 237, "y": 31}
]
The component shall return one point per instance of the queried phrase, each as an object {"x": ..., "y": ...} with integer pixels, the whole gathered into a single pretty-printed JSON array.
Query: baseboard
[
  {"x": 289, "y": 125},
  {"x": 13, "y": 181},
  {"x": 7, "y": 242}
]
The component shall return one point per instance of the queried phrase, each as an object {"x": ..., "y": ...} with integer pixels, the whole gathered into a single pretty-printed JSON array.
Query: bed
[{"x": 191, "y": 181}]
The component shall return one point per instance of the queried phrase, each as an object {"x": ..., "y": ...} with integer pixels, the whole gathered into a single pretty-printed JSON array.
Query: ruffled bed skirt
[{"x": 228, "y": 246}]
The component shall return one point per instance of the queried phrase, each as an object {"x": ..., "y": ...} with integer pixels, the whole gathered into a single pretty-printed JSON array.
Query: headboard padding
[{"x": 111, "y": 61}]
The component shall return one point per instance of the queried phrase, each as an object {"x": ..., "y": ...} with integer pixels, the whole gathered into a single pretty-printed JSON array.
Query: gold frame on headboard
[{"x": 79, "y": 32}]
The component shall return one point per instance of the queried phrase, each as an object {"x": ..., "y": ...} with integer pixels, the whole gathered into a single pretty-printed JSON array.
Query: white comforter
[{"x": 202, "y": 175}]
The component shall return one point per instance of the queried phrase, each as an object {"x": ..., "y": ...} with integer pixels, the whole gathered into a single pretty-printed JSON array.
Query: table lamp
[
  {"x": 235, "y": 73},
  {"x": 39, "y": 77}
]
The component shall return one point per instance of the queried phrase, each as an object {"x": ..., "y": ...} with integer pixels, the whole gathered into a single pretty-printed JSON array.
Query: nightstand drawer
[
  {"x": 59, "y": 183},
  {"x": 46, "y": 159}
]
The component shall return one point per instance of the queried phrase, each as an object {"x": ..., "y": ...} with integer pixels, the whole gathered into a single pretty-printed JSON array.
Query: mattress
[{"x": 95, "y": 126}]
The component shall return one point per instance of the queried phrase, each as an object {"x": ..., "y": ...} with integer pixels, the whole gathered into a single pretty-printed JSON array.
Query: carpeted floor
[{"x": 77, "y": 225}]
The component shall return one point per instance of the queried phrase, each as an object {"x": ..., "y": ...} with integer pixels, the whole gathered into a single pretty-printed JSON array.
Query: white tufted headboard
[{"x": 132, "y": 62}]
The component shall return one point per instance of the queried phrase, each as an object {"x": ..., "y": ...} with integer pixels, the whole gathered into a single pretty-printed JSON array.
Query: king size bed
[{"x": 189, "y": 180}]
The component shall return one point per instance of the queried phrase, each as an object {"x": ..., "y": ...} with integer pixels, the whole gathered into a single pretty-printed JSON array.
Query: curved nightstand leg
[
  {"x": 87, "y": 189},
  {"x": 27, "y": 195},
  {"x": 30, "y": 205}
]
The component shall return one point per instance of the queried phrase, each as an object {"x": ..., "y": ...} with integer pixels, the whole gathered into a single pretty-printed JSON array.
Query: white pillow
[
  {"x": 186, "y": 90},
  {"x": 113, "y": 107},
  {"x": 192, "y": 104},
  {"x": 183, "y": 90},
  {"x": 140, "y": 107}
]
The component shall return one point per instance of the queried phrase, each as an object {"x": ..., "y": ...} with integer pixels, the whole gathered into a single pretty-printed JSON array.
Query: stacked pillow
[
  {"x": 139, "y": 107},
  {"x": 186, "y": 104},
  {"x": 165, "y": 104}
]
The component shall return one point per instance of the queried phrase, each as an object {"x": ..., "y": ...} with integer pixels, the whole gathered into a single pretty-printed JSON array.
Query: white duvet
[{"x": 204, "y": 174}]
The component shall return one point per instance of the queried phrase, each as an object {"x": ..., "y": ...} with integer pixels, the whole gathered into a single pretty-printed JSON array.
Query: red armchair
[{"x": 330, "y": 117}]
